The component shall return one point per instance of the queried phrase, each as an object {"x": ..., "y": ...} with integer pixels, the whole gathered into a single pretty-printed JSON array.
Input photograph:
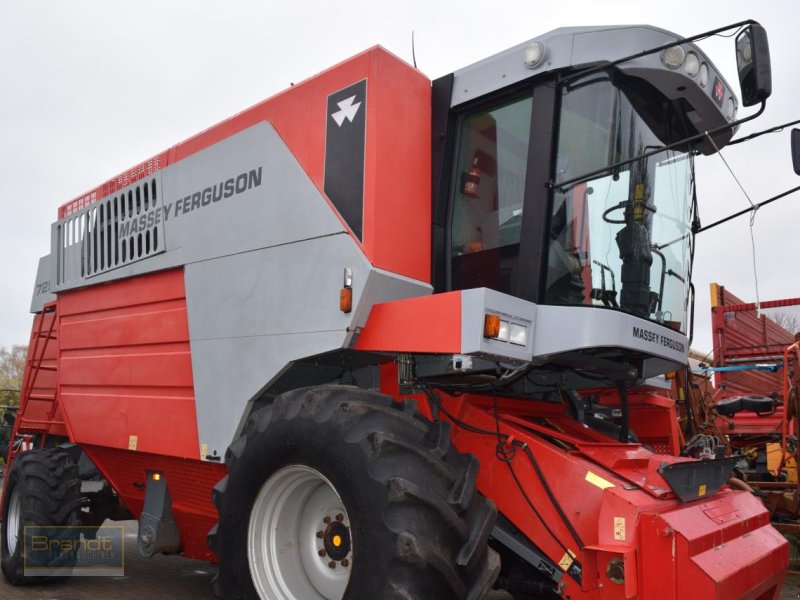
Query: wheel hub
[
  {"x": 299, "y": 542},
  {"x": 336, "y": 540}
]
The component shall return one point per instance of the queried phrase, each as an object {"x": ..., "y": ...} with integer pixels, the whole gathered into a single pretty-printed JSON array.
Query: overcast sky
[{"x": 90, "y": 88}]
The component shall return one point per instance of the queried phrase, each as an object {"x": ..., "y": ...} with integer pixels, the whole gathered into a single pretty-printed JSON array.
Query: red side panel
[
  {"x": 722, "y": 548},
  {"x": 125, "y": 365},
  {"x": 190, "y": 484},
  {"x": 424, "y": 324},
  {"x": 397, "y": 163},
  {"x": 397, "y": 211}
]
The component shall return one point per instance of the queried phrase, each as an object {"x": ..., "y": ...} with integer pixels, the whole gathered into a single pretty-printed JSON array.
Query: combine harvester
[{"x": 341, "y": 342}]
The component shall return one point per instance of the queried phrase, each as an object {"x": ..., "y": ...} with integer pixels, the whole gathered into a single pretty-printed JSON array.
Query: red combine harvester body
[{"x": 358, "y": 340}]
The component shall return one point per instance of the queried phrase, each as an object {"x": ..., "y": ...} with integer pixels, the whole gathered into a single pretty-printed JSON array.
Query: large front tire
[
  {"x": 43, "y": 489},
  {"x": 338, "y": 493}
]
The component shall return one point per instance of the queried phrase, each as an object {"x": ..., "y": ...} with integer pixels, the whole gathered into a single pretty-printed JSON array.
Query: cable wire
[
  {"x": 754, "y": 208},
  {"x": 507, "y": 455}
]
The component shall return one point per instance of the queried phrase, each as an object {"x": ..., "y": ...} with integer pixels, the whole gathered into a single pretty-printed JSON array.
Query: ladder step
[
  {"x": 46, "y": 368},
  {"x": 36, "y": 425}
]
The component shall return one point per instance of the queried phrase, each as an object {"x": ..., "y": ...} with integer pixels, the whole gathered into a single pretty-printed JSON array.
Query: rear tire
[
  {"x": 43, "y": 489},
  {"x": 339, "y": 493}
]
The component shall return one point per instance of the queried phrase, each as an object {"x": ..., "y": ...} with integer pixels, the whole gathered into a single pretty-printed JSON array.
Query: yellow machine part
[{"x": 774, "y": 462}]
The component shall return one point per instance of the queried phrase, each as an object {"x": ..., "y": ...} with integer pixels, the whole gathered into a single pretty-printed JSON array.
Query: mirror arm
[
  {"x": 774, "y": 129},
  {"x": 746, "y": 210}
]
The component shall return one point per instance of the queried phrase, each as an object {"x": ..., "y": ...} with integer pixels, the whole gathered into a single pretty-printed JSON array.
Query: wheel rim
[
  {"x": 298, "y": 537},
  {"x": 13, "y": 518}
]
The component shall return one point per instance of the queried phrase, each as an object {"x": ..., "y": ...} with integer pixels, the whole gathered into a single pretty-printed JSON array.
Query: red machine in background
[
  {"x": 755, "y": 400},
  {"x": 748, "y": 365}
]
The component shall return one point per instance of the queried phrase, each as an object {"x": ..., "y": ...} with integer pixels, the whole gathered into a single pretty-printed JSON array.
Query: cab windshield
[{"x": 619, "y": 240}]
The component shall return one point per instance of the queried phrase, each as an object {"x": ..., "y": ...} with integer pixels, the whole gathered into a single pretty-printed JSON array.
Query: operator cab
[{"x": 567, "y": 180}]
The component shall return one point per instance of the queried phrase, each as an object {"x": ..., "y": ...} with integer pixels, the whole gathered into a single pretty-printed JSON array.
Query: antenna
[{"x": 413, "y": 53}]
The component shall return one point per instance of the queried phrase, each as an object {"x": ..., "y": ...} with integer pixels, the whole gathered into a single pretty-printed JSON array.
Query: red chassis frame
[{"x": 592, "y": 503}]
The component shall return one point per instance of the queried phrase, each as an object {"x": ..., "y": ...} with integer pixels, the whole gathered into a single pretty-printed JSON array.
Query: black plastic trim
[
  {"x": 442, "y": 143},
  {"x": 531, "y": 267}
]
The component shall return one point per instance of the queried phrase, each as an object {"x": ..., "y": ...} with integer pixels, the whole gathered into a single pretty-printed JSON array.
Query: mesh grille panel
[{"x": 113, "y": 232}]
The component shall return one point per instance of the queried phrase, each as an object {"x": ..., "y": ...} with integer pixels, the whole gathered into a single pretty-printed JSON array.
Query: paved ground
[
  {"x": 168, "y": 577},
  {"x": 791, "y": 589}
]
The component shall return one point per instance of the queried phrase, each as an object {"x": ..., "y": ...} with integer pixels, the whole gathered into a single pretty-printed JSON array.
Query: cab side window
[{"x": 488, "y": 196}]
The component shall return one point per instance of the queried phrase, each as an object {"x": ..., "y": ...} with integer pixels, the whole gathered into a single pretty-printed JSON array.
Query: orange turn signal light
[
  {"x": 346, "y": 299},
  {"x": 491, "y": 326}
]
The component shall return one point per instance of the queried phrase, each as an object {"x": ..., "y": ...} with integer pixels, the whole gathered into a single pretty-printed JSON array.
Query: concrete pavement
[{"x": 168, "y": 577}]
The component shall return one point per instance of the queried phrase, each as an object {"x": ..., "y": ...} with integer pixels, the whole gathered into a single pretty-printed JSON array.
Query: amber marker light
[
  {"x": 346, "y": 300},
  {"x": 346, "y": 294},
  {"x": 491, "y": 326}
]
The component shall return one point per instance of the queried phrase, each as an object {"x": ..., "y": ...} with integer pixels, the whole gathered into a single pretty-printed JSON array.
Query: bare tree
[
  {"x": 789, "y": 321},
  {"x": 12, "y": 369}
]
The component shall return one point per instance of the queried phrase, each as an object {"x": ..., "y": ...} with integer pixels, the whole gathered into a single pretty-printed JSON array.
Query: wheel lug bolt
[
  {"x": 326, "y": 520},
  {"x": 340, "y": 517},
  {"x": 320, "y": 534},
  {"x": 332, "y": 564},
  {"x": 345, "y": 562},
  {"x": 321, "y": 552}
]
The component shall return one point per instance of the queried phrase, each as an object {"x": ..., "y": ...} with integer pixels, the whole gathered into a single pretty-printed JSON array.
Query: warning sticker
[
  {"x": 595, "y": 479},
  {"x": 619, "y": 529},
  {"x": 701, "y": 491},
  {"x": 566, "y": 560}
]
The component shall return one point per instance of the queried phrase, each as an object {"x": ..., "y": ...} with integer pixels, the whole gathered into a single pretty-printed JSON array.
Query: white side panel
[
  {"x": 253, "y": 313},
  {"x": 250, "y": 314},
  {"x": 564, "y": 328}
]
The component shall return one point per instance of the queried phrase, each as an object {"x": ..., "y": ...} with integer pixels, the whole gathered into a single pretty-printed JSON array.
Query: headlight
[
  {"x": 518, "y": 334},
  {"x": 534, "y": 55},
  {"x": 703, "y": 78},
  {"x": 673, "y": 57},
  {"x": 730, "y": 109},
  {"x": 691, "y": 64}
]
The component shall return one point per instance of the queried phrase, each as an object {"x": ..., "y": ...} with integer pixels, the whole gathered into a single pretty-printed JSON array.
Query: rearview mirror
[
  {"x": 796, "y": 150},
  {"x": 752, "y": 62}
]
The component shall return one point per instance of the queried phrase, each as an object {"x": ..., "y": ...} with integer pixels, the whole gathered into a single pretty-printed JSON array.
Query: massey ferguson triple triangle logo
[
  {"x": 345, "y": 140},
  {"x": 347, "y": 110}
]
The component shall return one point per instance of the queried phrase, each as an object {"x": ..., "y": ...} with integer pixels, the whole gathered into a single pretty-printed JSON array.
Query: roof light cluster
[{"x": 676, "y": 57}]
